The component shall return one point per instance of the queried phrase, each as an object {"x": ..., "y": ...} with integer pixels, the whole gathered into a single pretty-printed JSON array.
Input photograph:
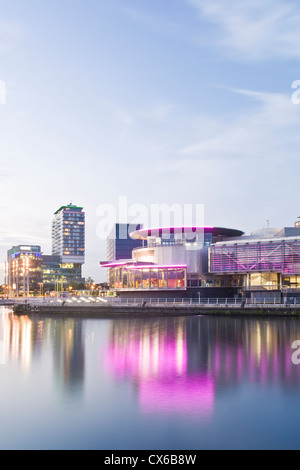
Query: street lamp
[
  {"x": 26, "y": 276},
  {"x": 41, "y": 289}
]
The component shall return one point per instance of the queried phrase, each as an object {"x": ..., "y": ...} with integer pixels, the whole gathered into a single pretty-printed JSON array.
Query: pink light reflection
[
  {"x": 141, "y": 358},
  {"x": 189, "y": 394},
  {"x": 158, "y": 365}
]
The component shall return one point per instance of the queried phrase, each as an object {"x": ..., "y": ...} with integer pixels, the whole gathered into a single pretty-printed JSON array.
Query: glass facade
[
  {"x": 24, "y": 270},
  {"x": 147, "y": 277},
  {"x": 119, "y": 243},
  {"x": 68, "y": 234},
  {"x": 281, "y": 256},
  {"x": 292, "y": 282},
  {"x": 213, "y": 256},
  {"x": 56, "y": 273},
  {"x": 162, "y": 246},
  {"x": 272, "y": 264}
]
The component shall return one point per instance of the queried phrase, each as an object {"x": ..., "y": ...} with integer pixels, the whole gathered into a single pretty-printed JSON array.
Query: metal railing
[
  {"x": 208, "y": 302},
  {"x": 118, "y": 301},
  {"x": 175, "y": 300}
]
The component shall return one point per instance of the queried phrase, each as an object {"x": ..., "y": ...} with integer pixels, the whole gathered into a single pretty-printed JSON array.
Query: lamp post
[
  {"x": 17, "y": 277},
  {"x": 26, "y": 276},
  {"x": 13, "y": 277},
  {"x": 41, "y": 289}
]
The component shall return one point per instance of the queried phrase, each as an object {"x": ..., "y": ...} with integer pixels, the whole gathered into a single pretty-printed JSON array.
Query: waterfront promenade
[{"x": 110, "y": 307}]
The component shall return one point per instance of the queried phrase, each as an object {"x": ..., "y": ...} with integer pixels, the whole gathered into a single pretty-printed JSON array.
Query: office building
[
  {"x": 119, "y": 242},
  {"x": 68, "y": 234},
  {"x": 30, "y": 272},
  {"x": 24, "y": 270},
  {"x": 68, "y": 248},
  {"x": 57, "y": 275}
]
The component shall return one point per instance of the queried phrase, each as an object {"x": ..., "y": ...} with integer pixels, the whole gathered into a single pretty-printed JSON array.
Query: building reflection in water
[
  {"x": 25, "y": 340},
  {"x": 177, "y": 365},
  {"x": 154, "y": 354},
  {"x": 18, "y": 337},
  {"x": 68, "y": 355},
  {"x": 182, "y": 365}
]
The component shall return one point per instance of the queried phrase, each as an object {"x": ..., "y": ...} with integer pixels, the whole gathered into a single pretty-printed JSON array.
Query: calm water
[{"x": 165, "y": 383}]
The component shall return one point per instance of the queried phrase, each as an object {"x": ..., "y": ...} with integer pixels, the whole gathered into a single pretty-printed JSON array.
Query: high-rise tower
[{"x": 68, "y": 234}]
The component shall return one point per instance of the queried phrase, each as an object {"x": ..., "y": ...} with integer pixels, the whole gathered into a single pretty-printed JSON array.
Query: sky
[{"x": 151, "y": 102}]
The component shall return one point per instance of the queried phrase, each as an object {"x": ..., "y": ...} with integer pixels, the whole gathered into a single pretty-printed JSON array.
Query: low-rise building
[
  {"x": 267, "y": 260},
  {"x": 24, "y": 270},
  {"x": 172, "y": 260},
  {"x": 210, "y": 262},
  {"x": 58, "y": 275}
]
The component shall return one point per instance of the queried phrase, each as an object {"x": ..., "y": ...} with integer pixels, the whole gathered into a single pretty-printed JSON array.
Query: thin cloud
[
  {"x": 253, "y": 29},
  {"x": 10, "y": 32},
  {"x": 262, "y": 129},
  {"x": 264, "y": 132},
  {"x": 154, "y": 22}
]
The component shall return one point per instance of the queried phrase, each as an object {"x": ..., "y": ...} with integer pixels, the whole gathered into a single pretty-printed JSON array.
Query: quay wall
[{"x": 109, "y": 311}]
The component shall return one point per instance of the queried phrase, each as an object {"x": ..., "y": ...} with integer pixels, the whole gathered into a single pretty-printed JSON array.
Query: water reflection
[
  {"x": 154, "y": 355},
  {"x": 182, "y": 365},
  {"x": 176, "y": 366},
  {"x": 18, "y": 334},
  {"x": 26, "y": 341}
]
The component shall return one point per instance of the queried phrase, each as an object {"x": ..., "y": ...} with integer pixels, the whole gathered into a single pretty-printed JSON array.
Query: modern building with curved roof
[
  {"x": 210, "y": 261},
  {"x": 171, "y": 258},
  {"x": 188, "y": 232}
]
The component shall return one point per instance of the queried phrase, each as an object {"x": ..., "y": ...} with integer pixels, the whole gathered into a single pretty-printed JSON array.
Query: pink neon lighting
[
  {"x": 277, "y": 256},
  {"x": 158, "y": 266},
  {"x": 159, "y": 231},
  {"x": 179, "y": 228},
  {"x": 132, "y": 265},
  {"x": 112, "y": 264}
]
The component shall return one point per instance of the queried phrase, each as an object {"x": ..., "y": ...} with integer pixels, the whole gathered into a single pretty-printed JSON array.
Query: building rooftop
[
  {"x": 144, "y": 233},
  {"x": 69, "y": 206}
]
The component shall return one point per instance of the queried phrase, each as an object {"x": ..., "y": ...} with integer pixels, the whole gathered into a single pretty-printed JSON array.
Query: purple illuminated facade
[
  {"x": 269, "y": 262},
  {"x": 171, "y": 259},
  {"x": 194, "y": 258},
  {"x": 141, "y": 276}
]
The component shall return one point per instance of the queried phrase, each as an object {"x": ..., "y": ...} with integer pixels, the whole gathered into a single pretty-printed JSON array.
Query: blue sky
[{"x": 159, "y": 101}]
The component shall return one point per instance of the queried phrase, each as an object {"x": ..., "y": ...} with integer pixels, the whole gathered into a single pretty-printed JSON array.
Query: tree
[
  {"x": 89, "y": 281},
  {"x": 75, "y": 286}
]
